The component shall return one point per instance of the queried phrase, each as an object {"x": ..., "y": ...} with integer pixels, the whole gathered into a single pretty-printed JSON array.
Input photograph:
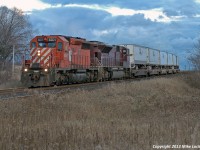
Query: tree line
[
  {"x": 15, "y": 30},
  {"x": 194, "y": 56}
]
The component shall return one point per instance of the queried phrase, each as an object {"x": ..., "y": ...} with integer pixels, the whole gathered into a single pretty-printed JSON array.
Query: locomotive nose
[{"x": 35, "y": 76}]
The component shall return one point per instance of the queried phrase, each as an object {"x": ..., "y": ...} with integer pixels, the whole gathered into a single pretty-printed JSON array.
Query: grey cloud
[{"x": 176, "y": 37}]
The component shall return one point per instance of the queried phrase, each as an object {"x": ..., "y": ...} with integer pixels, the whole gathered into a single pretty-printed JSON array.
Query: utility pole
[{"x": 13, "y": 66}]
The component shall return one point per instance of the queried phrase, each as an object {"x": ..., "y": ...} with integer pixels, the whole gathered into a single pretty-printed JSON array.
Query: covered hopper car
[{"x": 58, "y": 59}]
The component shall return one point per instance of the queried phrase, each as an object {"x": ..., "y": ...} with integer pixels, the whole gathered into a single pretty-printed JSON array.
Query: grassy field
[{"x": 125, "y": 116}]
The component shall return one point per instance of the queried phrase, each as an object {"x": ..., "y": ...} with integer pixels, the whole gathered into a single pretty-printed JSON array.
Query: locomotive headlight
[
  {"x": 25, "y": 70},
  {"x": 39, "y": 53},
  {"x": 46, "y": 70}
]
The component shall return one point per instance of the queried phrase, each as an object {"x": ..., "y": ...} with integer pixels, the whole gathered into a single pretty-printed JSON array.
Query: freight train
[{"x": 58, "y": 59}]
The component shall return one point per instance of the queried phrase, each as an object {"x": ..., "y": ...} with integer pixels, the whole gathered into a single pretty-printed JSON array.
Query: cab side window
[
  {"x": 60, "y": 46},
  {"x": 33, "y": 44},
  {"x": 52, "y": 44}
]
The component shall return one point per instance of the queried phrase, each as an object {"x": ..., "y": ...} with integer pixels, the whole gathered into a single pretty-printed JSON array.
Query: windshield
[
  {"x": 41, "y": 44},
  {"x": 48, "y": 44}
]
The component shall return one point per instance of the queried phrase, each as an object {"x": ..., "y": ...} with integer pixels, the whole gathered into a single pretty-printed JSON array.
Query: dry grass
[
  {"x": 126, "y": 116},
  {"x": 7, "y": 80},
  {"x": 193, "y": 79}
]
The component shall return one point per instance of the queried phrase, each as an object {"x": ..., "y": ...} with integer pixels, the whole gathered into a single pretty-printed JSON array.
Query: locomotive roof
[
  {"x": 134, "y": 45},
  {"x": 66, "y": 37},
  {"x": 97, "y": 42}
]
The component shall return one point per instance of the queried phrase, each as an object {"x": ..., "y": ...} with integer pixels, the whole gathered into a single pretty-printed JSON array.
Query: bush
[
  {"x": 192, "y": 79},
  {"x": 5, "y": 74},
  {"x": 7, "y": 79}
]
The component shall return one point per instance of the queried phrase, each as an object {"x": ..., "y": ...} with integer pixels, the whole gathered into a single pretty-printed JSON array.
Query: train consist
[{"x": 58, "y": 59}]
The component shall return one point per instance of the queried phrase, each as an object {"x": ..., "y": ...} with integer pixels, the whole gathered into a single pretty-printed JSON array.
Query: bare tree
[
  {"x": 194, "y": 56},
  {"x": 15, "y": 29}
]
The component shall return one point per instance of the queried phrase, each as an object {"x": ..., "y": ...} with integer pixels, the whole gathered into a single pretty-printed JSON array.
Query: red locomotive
[{"x": 58, "y": 59}]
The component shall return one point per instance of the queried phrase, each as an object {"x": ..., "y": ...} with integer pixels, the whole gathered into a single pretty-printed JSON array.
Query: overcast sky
[{"x": 168, "y": 25}]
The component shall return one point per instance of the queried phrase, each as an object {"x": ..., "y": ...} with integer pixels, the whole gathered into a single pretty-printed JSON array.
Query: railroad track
[
  {"x": 28, "y": 92},
  {"x": 12, "y": 92}
]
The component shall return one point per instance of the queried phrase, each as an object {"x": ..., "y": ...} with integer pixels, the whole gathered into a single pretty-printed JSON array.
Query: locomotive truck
[{"x": 59, "y": 59}]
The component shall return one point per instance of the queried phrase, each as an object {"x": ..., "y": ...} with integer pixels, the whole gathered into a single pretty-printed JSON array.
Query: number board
[
  {"x": 52, "y": 39},
  {"x": 40, "y": 39}
]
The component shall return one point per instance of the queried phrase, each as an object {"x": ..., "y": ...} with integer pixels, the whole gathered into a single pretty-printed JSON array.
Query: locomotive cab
[{"x": 47, "y": 51}]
